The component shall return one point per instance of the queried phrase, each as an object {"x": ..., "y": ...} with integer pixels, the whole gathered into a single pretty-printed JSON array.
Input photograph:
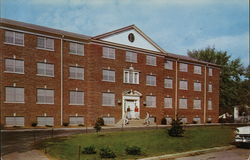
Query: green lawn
[{"x": 152, "y": 142}]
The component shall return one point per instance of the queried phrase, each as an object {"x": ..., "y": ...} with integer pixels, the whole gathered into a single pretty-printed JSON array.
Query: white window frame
[
  {"x": 45, "y": 121},
  {"x": 210, "y": 71},
  {"x": 151, "y": 101},
  {"x": 14, "y": 66},
  {"x": 197, "y": 104},
  {"x": 197, "y": 69},
  {"x": 15, "y": 38},
  {"x": 168, "y": 83},
  {"x": 168, "y": 102},
  {"x": 45, "y": 95},
  {"x": 131, "y": 77},
  {"x": 183, "y": 85},
  {"x": 210, "y": 88},
  {"x": 109, "y": 120},
  {"x": 197, "y": 86},
  {"x": 108, "y": 75},
  {"x": 108, "y": 53},
  {"x": 209, "y": 105},
  {"x": 151, "y": 60},
  {"x": 78, "y": 98},
  {"x": 150, "y": 80},
  {"x": 131, "y": 57},
  {"x": 168, "y": 65},
  {"x": 45, "y": 43},
  {"x": 76, "y": 48},
  {"x": 183, "y": 103},
  {"x": 14, "y": 95},
  {"x": 197, "y": 120},
  {"x": 16, "y": 121},
  {"x": 75, "y": 121},
  {"x": 183, "y": 67},
  {"x": 78, "y": 71},
  {"x": 46, "y": 67},
  {"x": 108, "y": 99}
]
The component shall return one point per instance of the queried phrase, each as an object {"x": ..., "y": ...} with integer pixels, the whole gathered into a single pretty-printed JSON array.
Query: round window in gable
[{"x": 131, "y": 37}]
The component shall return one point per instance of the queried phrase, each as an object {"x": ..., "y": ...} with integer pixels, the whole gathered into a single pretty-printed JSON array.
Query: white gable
[{"x": 139, "y": 41}]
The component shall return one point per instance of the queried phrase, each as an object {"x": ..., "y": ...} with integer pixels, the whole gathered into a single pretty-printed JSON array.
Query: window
[
  {"x": 45, "y": 69},
  {"x": 108, "y": 53},
  {"x": 151, "y": 101},
  {"x": 75, "y": 121},
  {"x": 151, "y": 80},
  {"x": 168, "y": 121},
  {"x": 210, "y": 71},
  {"x": 45, "y": 121},
  {"x": 184, "y": 120},
  {"x": 183, "y": 85},
  {"x": 183, "y": 67},
  {"x": 14, "y": 38},
  {"x": 169, "y": 65},
  {"x": 108, "y": 75},
  {"x": 209, "y": 105},
  {"x": 76, "y": 73},
  {"x": 109, "y": 120},
  {"x": 197, "y": 120},
  {"x": 108, "y": 99},
  {"x": 45, "y": 96},
  {"x": 197, "y": 69},
  {"x": 197, "y": 104},
  {"x": 210, "y": 88},
  {"x": 14, "y": 121},
  {"x": 131, "y": 77},
  {"x": 76, "y": 98},
  {"x": 14, "y": 66},
  {"x": 197, "y": 86},
  {"x": 14, "y": 95},
  {"x": 151, "y": 60},
  {"x": 168, "y": 102},
  {"x": 131, "y": 57},
  {"x": 183, "y": 103},
  {"x": 168, "y": 83},
  {"x": 45, "y": 43},
  {"x": 76, "y": 48}
]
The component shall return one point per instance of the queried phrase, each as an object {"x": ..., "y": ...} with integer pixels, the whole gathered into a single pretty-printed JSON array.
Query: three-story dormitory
[{"x": 51, "y": 77}]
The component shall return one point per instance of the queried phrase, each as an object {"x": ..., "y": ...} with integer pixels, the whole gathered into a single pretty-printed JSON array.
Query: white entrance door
[{"x": 131, "y": 104}]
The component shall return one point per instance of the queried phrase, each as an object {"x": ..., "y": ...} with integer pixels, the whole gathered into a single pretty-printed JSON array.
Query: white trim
[
  {"x": 76, "y": 104},
  {"x": 52, "y": 50},
  {"x": 13, "y": 44},
  {"x": 14, "y": 72},
  {"x": 14, "y": 102},
  {"x": 42, "y": 75},
  {"x": 44, "y": 103}
]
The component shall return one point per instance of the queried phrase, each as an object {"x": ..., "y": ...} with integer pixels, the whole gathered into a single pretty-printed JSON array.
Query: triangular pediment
[{"x": 130, "y": 36}]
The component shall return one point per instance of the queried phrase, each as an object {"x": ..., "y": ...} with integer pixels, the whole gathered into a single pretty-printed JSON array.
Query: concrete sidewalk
[
  {"x": 29, "y": 155},
  {"x": 189, "y": 153}
]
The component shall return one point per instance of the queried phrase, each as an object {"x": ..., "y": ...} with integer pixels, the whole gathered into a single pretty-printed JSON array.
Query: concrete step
[{"x": 133, "y": 122}]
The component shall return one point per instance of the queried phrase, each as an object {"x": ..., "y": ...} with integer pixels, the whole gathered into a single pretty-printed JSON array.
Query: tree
[
  {"x": 97, "y": 127},
  {"x": 230, "y": 77},
  {"x": 177, "y": 129}
]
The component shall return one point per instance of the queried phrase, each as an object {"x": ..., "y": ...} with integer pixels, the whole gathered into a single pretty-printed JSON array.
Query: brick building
[{"x": 53, "y": 77}]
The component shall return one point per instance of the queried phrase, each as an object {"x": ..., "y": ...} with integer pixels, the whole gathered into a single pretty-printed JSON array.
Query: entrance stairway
[{"x": 134, "y": 123}]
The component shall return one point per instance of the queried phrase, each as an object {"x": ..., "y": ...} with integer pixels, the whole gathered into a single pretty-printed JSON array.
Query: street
[{"x": 233, "y": 154}]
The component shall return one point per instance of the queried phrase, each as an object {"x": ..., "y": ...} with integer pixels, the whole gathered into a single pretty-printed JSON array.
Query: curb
[{"x": 189, "y": 153}]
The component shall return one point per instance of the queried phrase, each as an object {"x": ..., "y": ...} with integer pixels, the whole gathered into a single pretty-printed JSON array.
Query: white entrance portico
[{"x": 131, "y": 100}]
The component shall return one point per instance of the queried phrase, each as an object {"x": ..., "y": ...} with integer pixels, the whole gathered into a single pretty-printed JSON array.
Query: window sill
[
  {"x": 197, "y": 91},
  {"x": 131, "y": 62},
  {"x": 41, "y": 75},
  {"x": 21, "y": 45},
  {"x": 151, "y": 65},
  {"x": 183, "y": 89},
  {"x": 130, "y": 83},
  {"x": 14, "y": 72},
  {"x": 76, "y": 104},
  {"x": 168, "y": 107},
  {"x": 151, "y": 85},
  {"x": 198, "y": 73},
  {"x": 151, "y": 106},
  {"x": 107, "y": 81},
  {"x": 169, "y": 68},
  {"x": 107, "y": 106},
  {"x": 183, "y": 71},
  {"x": 182, "y": 108},
  {"x": 15, "y": 102},
  {"x": 52, "y": 50},
  {"x": 108, "y": 58},
  {"x": 45, "y": 103},
  {"x": 197, "y": 108},
  {"x": 75, "y": 78},
  {"x": 168, "y": 87},
  {"x": 76, "y": 54}
]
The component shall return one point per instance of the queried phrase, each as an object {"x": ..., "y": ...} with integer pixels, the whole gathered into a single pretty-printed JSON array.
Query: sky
[{"x": 175, "y": 25}]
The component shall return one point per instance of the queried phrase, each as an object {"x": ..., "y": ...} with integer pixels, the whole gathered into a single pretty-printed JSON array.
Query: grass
[{"x": 152, "y": 142}]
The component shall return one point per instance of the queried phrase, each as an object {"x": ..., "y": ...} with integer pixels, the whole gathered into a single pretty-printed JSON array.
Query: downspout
[
  {"x": 62, "y": 80},
  {"x": 205, "y": 94},
  {"x": 176, "y": 88}
]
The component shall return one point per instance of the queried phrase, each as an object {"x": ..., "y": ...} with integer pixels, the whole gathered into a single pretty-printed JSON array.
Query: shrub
[
  {"x": 209, "y": 121},
  {"x": 34, "y": 124},
  {"x": 177, "y": 129},
  {"x": 133, "y": 150},
  {"x": 97, "y": 127},
  {"x": 48, "y": 125},
  {"x": 106, "y": 152},
  {"x": 163, "y": 121},
  {"x": 194, "y": 122},
  {"x": 80, "y": 125},
  {"x": 65, "y": 124},
  {"x": 89, "y": 150},
  {"x": 100, "y": 121}
]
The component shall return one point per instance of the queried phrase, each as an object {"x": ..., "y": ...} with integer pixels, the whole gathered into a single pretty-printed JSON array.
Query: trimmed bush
[
  {"x": 97, "y": 127},
  {"x": 89, "y": 150},
  {"x": 80, "y": 125},
  {"x": 34, "y": 124},
  {"x": 163, "y": 121},
  {"x": 177, "y": 129},
  {"x": 133, "y": 150},
  {"x": 194, "y": 122},
  {"x": 65, "y": 124},
  {"x": 100, "y": 121},
  {"x": 106, "y": 152}
]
